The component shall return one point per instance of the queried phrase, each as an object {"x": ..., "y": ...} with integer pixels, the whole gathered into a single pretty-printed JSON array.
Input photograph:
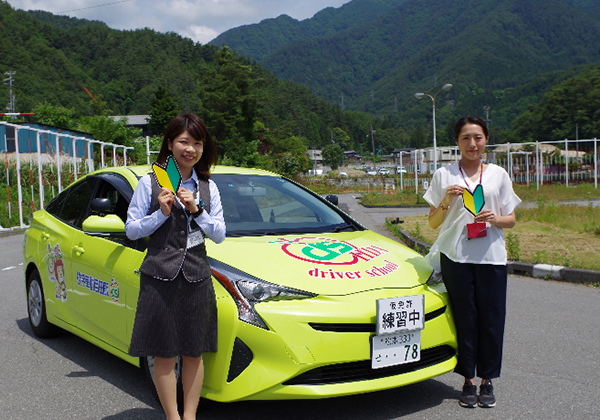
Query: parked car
[
  {"x": 400, "y": 169},
  {"x": 310, "y": 303},
  {"x": 384, "y": 171},
  {"x": 343, "y": 173},
  {"x": 371, "y": 172}
]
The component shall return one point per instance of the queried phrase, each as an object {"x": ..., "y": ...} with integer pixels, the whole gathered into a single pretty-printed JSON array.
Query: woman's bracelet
[{"x": 442, "y": 206}]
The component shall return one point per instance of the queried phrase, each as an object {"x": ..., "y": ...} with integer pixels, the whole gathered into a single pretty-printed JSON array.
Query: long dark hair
[
  {"x": 470, "y": 119},
  {"x": 197, "y": 129}
]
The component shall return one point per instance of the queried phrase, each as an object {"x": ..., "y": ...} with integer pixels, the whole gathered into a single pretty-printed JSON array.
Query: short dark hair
[
  {"x": 470, "y": 119},
  {"x": 197, "y": 129}
]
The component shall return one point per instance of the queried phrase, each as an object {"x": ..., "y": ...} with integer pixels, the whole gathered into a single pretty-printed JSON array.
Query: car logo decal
[
  {"x": 331, "y": 252},
  {"x": 114, "y": 290}
]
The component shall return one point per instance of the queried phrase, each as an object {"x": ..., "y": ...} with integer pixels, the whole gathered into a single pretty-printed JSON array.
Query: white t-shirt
[{"x": 452, "y": 239}]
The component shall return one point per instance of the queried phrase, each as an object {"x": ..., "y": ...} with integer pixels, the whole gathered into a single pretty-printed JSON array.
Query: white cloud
[{"x": 202, "y": 34}]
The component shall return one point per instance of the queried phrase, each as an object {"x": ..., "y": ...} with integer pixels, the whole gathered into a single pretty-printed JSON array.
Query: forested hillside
[
  {"x": 488, "y": 49},
  {"x": 256, "y": 119},
  {"x": 258, "y": 41},
  {"x": 521, "y": 58}
]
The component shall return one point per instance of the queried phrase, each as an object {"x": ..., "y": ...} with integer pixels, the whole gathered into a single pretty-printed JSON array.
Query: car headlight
[
  {"x": 247, "y": 291},
  {"x": 435, "y": 278}
]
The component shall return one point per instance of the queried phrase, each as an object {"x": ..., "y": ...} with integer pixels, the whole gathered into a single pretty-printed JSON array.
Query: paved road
[{"x": 551, "y": 366}]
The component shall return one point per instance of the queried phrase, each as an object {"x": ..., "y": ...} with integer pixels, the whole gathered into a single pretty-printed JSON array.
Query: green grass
[
  {"x": 547, "y": 192},
  {"x": 548, "y": 234}
]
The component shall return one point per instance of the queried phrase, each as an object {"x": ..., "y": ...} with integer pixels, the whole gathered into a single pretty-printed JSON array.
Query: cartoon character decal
[{"x": 56, "y": 271}]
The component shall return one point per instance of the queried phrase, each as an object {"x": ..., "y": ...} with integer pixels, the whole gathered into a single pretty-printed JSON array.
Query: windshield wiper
[{"x": 343, "y": 227}]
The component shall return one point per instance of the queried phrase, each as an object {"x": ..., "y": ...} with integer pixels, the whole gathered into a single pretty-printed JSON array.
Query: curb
[
  {"x": 399, "y": 206},
  {"x": 11, "y": 231},
  {"x": 542, "y": 271}
]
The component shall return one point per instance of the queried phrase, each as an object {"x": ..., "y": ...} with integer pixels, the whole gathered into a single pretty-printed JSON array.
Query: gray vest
[{"x": 167, "y": 248}]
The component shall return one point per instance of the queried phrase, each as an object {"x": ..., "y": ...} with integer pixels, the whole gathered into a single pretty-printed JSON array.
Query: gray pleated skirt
[{"x": 174, "y": 318}]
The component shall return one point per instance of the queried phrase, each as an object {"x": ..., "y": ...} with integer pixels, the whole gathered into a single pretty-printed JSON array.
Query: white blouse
[
  {"x": 141, "y": 224},
  {"x": 452, "y": 239}
]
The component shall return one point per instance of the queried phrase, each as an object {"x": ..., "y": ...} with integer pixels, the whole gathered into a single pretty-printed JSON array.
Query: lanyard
[{"x": 465, "y": 178}]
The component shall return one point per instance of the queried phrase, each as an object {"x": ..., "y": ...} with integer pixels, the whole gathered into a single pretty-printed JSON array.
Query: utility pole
[
  {"x": 373, "y": 143},
  {"x": 343, "y": 105},
  {"x": 395, "y": 105},
  {"x": 487, "y": 116},
  {"x": 11, "y": 98}
]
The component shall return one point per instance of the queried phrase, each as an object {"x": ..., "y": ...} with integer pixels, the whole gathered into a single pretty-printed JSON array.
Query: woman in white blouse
[{"x": 471, "y": 253}]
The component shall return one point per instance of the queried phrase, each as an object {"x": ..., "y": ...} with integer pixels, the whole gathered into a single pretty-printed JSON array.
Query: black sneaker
[
  {"x": 468, "y": 398},
  {"x": 486, "y": 395}
]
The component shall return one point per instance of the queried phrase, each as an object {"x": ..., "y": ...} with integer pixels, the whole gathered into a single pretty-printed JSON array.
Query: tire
[
  {"x": 147, "y": 364},
  {"x": 36, "y": 307}
]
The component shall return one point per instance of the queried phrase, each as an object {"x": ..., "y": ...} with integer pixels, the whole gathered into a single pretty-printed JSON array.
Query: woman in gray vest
[{"x": 177, "y": 312}]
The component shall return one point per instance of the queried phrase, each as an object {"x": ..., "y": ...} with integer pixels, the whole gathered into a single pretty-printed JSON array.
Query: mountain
[
  {"x": 260, "y": 40},
  {"x": 485, "y": 48}
]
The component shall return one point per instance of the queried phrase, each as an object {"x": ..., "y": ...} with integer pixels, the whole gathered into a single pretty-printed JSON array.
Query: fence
[
  {"x": 538, "y": 162},
  {"x": 51, "y": 156}
]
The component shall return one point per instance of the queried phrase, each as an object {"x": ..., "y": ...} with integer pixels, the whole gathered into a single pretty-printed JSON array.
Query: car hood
[{"x": 326, "y": 264}]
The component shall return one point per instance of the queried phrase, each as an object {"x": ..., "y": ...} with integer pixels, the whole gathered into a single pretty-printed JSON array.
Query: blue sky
[{"x": 200, "y": 20}]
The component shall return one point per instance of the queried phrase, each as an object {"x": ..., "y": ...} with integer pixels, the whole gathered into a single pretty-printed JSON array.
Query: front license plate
[
  {"x": 396, "y": 349},
  {"x": 396, "y": 315}
]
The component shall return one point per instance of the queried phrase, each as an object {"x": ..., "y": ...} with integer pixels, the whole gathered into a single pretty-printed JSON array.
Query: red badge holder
[
  {"x": 476, "y": 230},
  {"x": 474, "y": 202}
]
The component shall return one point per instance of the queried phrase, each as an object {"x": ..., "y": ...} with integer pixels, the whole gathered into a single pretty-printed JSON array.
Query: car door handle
[
  {"x": 78, "y": 249},
  {"x": 45, "y": 236}
]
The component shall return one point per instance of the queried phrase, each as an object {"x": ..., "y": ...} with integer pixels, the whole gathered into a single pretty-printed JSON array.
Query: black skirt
[{"x": 174, "y": 318}]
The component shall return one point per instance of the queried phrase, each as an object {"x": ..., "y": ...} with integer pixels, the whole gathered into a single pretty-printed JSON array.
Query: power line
[{"x": 94, "y": 7}]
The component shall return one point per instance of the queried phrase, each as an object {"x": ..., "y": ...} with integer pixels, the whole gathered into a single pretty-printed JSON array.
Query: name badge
[{"x": 195, "y": 239}]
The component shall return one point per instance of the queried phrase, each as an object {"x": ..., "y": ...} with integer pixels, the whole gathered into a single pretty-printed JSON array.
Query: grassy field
[
  {"x": 549, "y": 234},
  {"x": 546, "y": 192}
]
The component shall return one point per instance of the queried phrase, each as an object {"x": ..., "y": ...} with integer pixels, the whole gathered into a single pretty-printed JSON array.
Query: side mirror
[
  {"x": 101, "y": 205},
  {"x": 109, "y": 225},
  {"x": 333, "y": 199}
]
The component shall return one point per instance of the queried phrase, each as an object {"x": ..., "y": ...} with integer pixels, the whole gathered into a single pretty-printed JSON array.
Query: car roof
[{"x": 134, "y": 173}]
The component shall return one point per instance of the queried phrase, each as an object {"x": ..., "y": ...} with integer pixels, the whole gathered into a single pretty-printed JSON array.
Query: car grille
[
  {"x": 362, "y": 371},
  {"x": 364, "y": 328}
]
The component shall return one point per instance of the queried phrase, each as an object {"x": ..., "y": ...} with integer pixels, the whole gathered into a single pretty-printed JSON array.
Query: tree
[
  {"x": 108, "y": 130},
  {"x": 100, "y": 106},
  {"x": 333, "y": 155},
  {"x": 164, "y": 109},
  {"x": 58, "y": 116},
  {"x": 231, "y": 107},
  {"x": 418, "y": 138}
]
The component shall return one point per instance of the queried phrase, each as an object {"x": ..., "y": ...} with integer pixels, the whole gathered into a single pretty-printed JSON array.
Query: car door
[
  {"x": 107, "y": 284},
  {"x": 62, "y": 217}
]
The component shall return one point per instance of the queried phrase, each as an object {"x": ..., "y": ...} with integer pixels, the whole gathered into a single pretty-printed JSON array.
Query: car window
[
  {"x": 263, "y": 205},
  {"x": 119, "y": 204},
  {"x": 56, "y": 204},
  {"x": 76, "y": 203},
  {"x": 118, "y": 191}
]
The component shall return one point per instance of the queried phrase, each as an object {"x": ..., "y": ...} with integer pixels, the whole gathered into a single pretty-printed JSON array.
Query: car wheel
[
  {"x": 36, "y": 307},
  {"x": 147, "y": 364}
]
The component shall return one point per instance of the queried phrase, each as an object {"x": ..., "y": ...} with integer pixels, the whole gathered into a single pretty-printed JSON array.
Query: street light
[{"x": 419, "y": 96}]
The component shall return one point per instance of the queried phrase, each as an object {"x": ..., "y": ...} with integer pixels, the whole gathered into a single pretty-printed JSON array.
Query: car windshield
[{"x": 255, "y": 205}]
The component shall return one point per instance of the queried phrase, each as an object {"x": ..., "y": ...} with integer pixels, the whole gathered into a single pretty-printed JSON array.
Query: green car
[{"x": 310, "y": 303}]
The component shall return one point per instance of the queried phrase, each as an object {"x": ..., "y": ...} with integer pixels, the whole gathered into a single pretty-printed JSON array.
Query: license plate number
[{"x": 396, "y": 349}]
